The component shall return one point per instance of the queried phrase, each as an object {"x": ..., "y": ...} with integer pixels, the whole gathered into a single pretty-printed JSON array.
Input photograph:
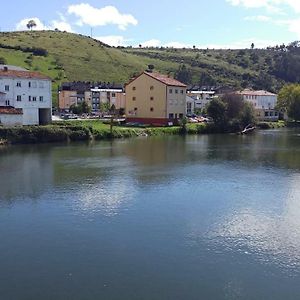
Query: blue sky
[{"x": 213, "y": 24}]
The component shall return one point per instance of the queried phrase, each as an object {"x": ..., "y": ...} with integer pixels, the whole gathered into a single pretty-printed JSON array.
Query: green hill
[{"x": 67, "y": 57}]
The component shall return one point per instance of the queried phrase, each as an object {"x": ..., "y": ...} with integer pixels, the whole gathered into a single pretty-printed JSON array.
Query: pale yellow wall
[
  {"x": 143, "y": 95},
  {"x": 66, "y": 99}
]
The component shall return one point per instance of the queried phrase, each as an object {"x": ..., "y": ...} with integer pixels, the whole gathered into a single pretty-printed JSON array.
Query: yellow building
[{"x": 153, "y": 98}]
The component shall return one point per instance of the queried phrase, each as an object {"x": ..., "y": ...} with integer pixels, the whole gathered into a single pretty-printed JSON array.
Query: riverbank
[{"x": 66, "y": 131}]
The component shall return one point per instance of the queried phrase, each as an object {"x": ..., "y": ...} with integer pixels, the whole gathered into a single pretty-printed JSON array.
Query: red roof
[
  {"x": 8, "y": 110},
  {"x": 22, "y": 74},
  {"x": 255, "y": 93},
  {"x": 165, "y": 79}
]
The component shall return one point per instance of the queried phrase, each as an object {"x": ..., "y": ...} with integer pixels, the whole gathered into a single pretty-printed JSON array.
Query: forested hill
[{"x": 67, "y": 57}]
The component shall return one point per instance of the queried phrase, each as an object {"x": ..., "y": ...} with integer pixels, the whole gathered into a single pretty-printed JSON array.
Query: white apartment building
[
  {"x": 263, "y": 102},
  {"x": 28, "y": 93},
  {"x": 201, "y": 98}
]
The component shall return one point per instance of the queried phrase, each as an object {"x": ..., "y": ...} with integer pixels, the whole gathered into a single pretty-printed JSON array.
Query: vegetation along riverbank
[{"x": 68, "y": 131}]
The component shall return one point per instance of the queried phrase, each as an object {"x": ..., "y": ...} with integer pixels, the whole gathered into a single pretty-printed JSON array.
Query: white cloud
[
  {"x": 108, "y": 15},
  {"x": 152, "y": 43},
  {"x": 22, "y": 25},
  {"x": 258, "y": 18},
  {"x": 61, "y": 24},
  {"x": 270, "y": 5},
  {"x": 113, "y": 40}
]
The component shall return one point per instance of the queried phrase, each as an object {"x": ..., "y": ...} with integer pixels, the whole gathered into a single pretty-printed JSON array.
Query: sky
[{"x": 205, "y": 24}]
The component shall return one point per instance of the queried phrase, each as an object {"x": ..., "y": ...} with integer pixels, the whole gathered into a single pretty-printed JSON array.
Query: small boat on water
[{"x": 248, "y": 129}]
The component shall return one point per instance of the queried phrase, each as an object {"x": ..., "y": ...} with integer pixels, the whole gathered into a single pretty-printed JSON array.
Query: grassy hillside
[
  {"x": 74, "y": 57},
  {"x": 71, "y": 57}
]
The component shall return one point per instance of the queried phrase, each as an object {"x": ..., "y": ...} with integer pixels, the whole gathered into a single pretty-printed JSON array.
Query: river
[{"x": 196, "y": 217}]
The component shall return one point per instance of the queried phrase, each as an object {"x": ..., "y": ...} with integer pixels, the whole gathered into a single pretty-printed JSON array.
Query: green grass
[{"x": 73, "y": 57}]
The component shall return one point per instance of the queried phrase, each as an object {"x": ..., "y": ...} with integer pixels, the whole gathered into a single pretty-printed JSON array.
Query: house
[
  {"x": 24, "y": 93},
  {"x": 95, "y": 94},
  {"x": 201, "y": 97},
  {"x": 263, "y": 102},
  {"x": 153, "y": 98}
]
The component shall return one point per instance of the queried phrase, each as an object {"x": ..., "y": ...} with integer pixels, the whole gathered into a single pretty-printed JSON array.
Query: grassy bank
[{"x": 66, "y": 131}]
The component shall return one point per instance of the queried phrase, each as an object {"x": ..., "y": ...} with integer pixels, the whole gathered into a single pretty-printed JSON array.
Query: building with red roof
[
  {"x": 24, "y": 94},
  {"x": 153, "y": 98}
]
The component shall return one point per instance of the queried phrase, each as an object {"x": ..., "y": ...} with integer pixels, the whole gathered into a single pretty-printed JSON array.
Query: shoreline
[{"x": 71, "y": 131}]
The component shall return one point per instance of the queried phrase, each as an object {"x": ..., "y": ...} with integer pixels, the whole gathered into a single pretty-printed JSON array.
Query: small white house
[
  {"x": 202, "y": 98},
  {"x": 30, "y": 92}
]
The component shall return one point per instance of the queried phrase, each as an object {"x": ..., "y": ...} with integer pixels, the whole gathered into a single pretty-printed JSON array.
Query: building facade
[
  {"x": 153, "y": 98},
  {"x": 94, "y": 94},
  {"x": 263, "y": 102},
  {"x": 30, "y": 92}
]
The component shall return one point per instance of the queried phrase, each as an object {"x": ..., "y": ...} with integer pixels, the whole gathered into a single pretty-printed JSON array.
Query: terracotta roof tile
[
  {"x": 22, "y": 74},
  {"x": 8, "y": 110},
  {"x": 165, "y": 79},
  {"x": 255, "y": 93}
]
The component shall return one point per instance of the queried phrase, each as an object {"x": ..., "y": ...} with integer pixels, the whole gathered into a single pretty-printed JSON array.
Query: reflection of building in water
[{"x": 27, "y": 172}]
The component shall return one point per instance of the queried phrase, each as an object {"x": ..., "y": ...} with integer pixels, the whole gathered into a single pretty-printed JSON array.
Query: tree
[
  {"x": 289, "y": 101},
  {"x": 252, "y": 46},
  {"x": 3, "y": 61},
  {"x": 234, "y": 105},
  {"x": 216, "y": 110},
  {"x": 247, "y": 114},
  {"x": 31, "y": 24},
  {"x": 183, "y": 74}
]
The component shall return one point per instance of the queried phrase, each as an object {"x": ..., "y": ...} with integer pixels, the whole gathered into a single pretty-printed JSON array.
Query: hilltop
[{"x": 70, "y": 57}]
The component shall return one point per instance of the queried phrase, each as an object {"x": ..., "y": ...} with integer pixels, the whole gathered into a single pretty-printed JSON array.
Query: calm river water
[{"x": 201, "y": 217}]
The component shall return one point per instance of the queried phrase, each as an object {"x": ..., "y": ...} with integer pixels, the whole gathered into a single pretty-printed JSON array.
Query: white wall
[
  {"x": 11, "y": 120},
  {"x": 39, "y": 88}
]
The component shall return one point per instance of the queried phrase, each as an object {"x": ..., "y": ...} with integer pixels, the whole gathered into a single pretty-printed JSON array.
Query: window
[
  {"x": 7, "y": 88},
  {"x": 171, "y": 116},
  {"x": 113, "y": 94},
  {"x": 34, "y": 99},
  {"x": 181, "y": 91},
  {"x": 29, "y": 98},
  {"x": 19, "y": 98},
  {"x": 151, "y": 88},
  {"x": 34, "y": 85},
  {"x": 133, "y": 98},
  {"x": 41, "y": 84},
  {"x": 41, "y": 99},
  {"x": 7, "y": 103},
  {"x": 176, "y": 91},
  {"x": 175, "y": 116},
  {"x": 133, "y": 88},
  {"x": 180, "y": 116},
  {"x": 151, "y": 109},
  {"x": 170, "y": 91},
  {"x": 151, "y": 98},
  {"x": 19, "y": 84},
  {"x": 135, "y": 109},
  {"x": 29, "y": 84}
]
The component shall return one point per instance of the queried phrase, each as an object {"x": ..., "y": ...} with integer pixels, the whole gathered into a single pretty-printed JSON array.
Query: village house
[
  {"x": 25, "y": 97},
  {"x": 153, "y": 98},
  {"x": 198, "y": 98},
  {"x": 74, "y": 93},
  {"x": 263, "y": 102}
]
